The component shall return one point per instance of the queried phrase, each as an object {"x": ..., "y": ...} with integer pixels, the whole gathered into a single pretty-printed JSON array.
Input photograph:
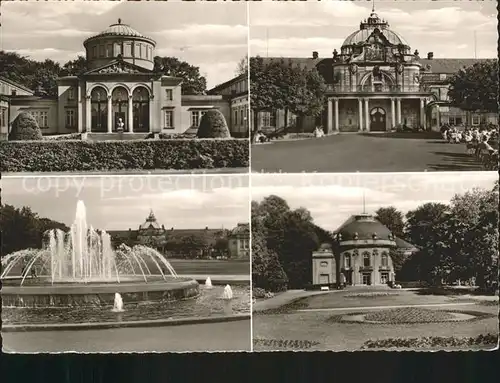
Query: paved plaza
[
  {"x": 387, "y": 152},
  {"x": 195, "y": 338},
  {"x": 308, "y": 321}
]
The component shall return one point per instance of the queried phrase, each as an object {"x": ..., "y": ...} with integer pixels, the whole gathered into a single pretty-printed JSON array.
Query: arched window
[
  {"x": 140, "y": 100},
  {"x": 99, "y": 109},
  {"x": 385, "y": 259},
  {"x": 366, "y": 259},
  {"x": 347, "y": 260}
]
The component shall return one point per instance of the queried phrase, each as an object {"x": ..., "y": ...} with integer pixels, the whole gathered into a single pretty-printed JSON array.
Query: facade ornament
[
  {"x": 355, "y": 252},
  {"x": 416, "y": 78},
  {"x": 399, "y": 68},
  {"x": 355, "y": 236},
  {"x": 353, "y": 68},
  {"x": 374, "y": 236},
  {"x": 151, "y": 96}
]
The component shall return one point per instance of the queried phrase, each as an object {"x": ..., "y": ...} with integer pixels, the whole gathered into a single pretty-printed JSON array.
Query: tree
[
  {"x": 25, "y": 127},
  {"x": 213, "y": 125},
  {"x": 75, "y": 67},
  {"x": 193, "y": 82},
  {"x": 242, "y": 67},
  {"x": 475, "y": 88},
  {"x": 306, "y": 95},
  {"x": 22, "y": 228},
  {"x": 392, "y": 218},
  {"x": 194, "y": 245}
]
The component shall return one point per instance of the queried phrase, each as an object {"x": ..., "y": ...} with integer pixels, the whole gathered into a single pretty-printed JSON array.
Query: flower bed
[
  {"x": 284, "y": 343},
  {"x": 432, "y": 342},
  {"x": 64, "y": 137},
  {"x": 59, "y": 156},
  {"x": 298, "y": 304},
  {"x": 370, "y": 295}
]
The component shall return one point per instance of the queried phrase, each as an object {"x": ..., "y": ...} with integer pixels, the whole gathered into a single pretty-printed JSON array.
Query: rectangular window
[
  {"x": 242, "y": 116},
  {"x": 367, "y": 280},
  {"x": 347, "y": 261},
  {"x": 41, "y": 118},
  {"x": 235, "y": 117},
  {"x": 384, "y": 278},
  {"x": 70, "y": 118},
  {"x": 101, "y": 50},
  {"x": 269, "y": 119},
  {"x": 170, "y": 94},
  {"x": 3, "y": 117},
  {"x": 196, "y": 118},
  {"x": 94, "y": 52},
  {"x": 476, "y": 119},
  {"x": 168, "y": 122},
  {"x": 71, "y": 94}
]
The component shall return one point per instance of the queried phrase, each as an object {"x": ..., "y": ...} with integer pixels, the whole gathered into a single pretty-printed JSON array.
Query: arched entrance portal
[
  {"x": 377, "y": 120},
  {"x": 119, "y": 100},
  {"x": 140, "y": 106},
  {"x": 99, "y": 110}
]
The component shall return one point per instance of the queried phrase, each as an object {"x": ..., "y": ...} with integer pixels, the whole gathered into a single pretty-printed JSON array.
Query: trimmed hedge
[
  {"x": 59, "y": 156},
  {"x": 432, "y": 342},
  {"x": 213, "y": 125},
  {"x": 25, "y": 127}
]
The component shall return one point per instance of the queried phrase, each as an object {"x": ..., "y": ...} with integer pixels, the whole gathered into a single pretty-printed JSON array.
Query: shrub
[
  {"x": 213, "y": 125},
  {"x": 25, "y": 127},
  {"x": 258, "y": 293},
  {"x": 59, "y": 156},
  {"x": 64, "y": 137}
]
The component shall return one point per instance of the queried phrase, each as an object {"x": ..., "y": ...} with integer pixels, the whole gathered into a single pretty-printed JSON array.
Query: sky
[
  {"x": 120, "y": 203},
  {"x": 333, "y": 198},
  {"x": 213, "y": 36},
  {"x": 296, "y": 29}
]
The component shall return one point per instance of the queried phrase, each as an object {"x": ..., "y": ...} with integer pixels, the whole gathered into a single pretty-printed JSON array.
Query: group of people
[{"x": 481, "y": 141}]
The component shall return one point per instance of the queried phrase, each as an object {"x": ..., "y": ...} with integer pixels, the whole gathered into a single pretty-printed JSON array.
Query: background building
[
  {"x": 187, "y": 243},
  {"x": 361, "y": 252},
  {"x": 377, "y": 83},
  {"x": 239, "y": 241},
  {"x": 120, "y": 84}
]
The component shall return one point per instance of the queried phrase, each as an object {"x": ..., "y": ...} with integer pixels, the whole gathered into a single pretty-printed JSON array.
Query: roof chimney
[
  {"x": 430, "y": 55},
  {"x": 315, "y": 55}
]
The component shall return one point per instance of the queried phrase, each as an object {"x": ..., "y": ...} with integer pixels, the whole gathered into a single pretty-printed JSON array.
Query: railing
[{"x": 373, "y": 89}]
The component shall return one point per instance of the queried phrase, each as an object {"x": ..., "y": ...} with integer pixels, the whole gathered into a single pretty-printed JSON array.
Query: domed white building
[
  {"x": 360, "y": 254},
  {"x": 121, "y": 92}
]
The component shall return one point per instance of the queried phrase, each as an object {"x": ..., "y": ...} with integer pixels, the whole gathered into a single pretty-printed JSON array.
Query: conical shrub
[
  {"x": 25, "y": 127},
  {"x": 213, "y": 125}
]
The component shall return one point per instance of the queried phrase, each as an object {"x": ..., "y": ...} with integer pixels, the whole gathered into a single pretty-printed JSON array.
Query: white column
[
  {"x": 79, "y": 111},
  {"x": 422, "y": 113},
  {"x": 398, "y": 103},
  {"x": 329, "y": 116},
  {"x": 393, "y": 114},
  {"x": 336, "y": 100},
  {"x": 360, "y": 111},
  {"x": 367, "y": 115},
  {"x": 130, "y": 115},
  {"x": 88, "y": 115},
  {"x": 151, "y": 107},
  {"x": 110, "y": 115}
]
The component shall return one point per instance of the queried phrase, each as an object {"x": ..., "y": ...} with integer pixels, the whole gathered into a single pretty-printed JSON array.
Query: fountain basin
[{"x": 97, "y": 293}]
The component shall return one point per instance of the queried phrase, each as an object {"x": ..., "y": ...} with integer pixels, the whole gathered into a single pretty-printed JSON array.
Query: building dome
[
  {"x": 367, "y": 27},
  {"x": 119, "y": 41},
  {"x": 363, "y": 227},
  {"x": 150, "y": 222}
]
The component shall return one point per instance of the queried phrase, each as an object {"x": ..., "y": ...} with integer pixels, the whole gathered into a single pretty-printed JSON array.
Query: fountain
[
  {"x": 228, "y": 293},
  {"x": 118, "y": 304},
  {"x": 80, "y": 268},
  {"x": 208, "y": 283}
]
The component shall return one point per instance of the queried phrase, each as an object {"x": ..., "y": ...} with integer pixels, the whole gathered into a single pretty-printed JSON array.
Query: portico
[{"x": 374, "y": 113}]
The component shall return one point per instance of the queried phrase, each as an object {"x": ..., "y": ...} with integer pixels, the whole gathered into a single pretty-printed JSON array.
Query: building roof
[
  {"x": 150, "y": 222},
  {"x": 122, "y": 30},
  {"x": 362, "y": 227},
  {"x": 448, "y": 65},
  {"x": 16, "y": 84},
  {"x": 226, "y": 84},
  {"x": 402, "y": 244},
  {"x": 241, "y": 229}
]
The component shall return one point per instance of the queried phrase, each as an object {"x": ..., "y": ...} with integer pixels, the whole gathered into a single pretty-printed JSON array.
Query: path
[
  {"x": 199, "y": 337},
  {"x": 363, "y": 153}
]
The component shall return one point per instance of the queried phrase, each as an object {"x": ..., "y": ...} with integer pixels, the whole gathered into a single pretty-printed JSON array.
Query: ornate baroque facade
[
  {"x": 376, "y": 83},
  {"x": 360, "y": 251}
]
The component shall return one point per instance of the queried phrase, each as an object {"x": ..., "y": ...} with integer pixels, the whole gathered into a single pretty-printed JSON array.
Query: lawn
[
  {"x": 391, "y": 152},
  {"x": 315, "y": 322},
  {"x": 210, "y": 267}
]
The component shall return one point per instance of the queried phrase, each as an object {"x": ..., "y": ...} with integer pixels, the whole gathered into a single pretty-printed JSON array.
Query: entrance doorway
[
  {"x": 324, "y": 279},
  {"x": 348, "y": 277},
  {"x": 377, "y": 120},
  {"x": 367, "y": 279}
]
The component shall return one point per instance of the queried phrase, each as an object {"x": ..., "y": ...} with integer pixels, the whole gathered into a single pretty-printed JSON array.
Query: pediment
[{"x": 119, "y": 67}]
